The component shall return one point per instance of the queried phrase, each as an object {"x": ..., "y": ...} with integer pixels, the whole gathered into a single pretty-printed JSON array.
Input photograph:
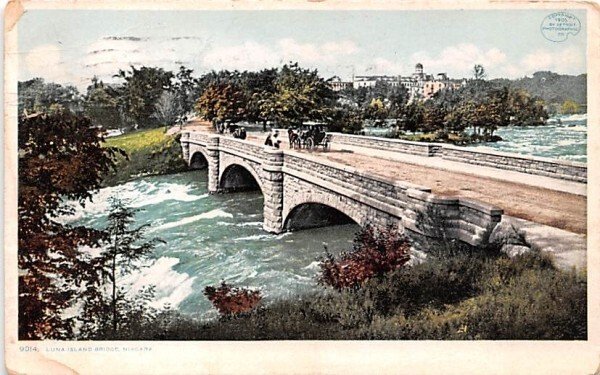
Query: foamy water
[
  {"x": 567, "y": 140},
  {"x": 210, "y": 238}
]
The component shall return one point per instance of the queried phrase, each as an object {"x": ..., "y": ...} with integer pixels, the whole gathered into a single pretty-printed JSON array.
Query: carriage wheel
[{"x": 310, "y": 144}]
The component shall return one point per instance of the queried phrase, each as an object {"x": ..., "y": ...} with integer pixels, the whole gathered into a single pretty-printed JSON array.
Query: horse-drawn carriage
[{"x": 309, "y": 136}]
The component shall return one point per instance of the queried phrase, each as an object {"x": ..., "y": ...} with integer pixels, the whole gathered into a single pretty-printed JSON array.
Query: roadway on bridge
[{"x": 541, "y": 203}]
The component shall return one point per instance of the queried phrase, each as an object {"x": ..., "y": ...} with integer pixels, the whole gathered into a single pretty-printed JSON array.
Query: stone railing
[
  {"x": 242, "y": 147},
  {"x": 565, "y": 170},
  {"x": 420, "y": 210},
  {"x": 388, "y": 144},
  {"x": 561, "y": 169},
  {"x": 196, "y": 136}
]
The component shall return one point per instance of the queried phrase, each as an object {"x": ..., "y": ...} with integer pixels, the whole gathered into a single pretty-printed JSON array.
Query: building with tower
[{"x": 419, "y": 84}]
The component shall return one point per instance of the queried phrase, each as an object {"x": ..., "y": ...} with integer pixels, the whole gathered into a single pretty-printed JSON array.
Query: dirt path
[{"x": 553, "y": 208}]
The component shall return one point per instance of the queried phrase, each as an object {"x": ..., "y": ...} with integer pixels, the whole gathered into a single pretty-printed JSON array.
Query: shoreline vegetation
[
  {"x": 457, "y": 293},
  {"x": 149, "y": 153}
]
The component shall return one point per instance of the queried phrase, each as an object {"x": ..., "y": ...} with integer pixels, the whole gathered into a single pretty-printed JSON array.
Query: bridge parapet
[
  {"x": 244, "y": 148},
  {"x": 555, "y": 168},
  {"x": 290, "y": 179}
]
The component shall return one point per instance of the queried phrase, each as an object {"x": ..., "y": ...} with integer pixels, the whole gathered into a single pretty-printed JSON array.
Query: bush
[
  {"x": 232, "y": 301},
  {"x": 462, "y": 296},
  {"x": 373, "y": 255}
]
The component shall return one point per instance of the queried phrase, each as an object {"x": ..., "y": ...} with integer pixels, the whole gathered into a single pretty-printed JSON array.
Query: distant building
[
  {"x": 419, "y": 84},
  {"x": 423, "y": 86},
  {"x": 337, "y": 84},
  {"x": 370, "y": 81}
]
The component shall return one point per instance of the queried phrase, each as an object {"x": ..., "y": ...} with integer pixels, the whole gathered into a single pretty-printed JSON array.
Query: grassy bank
[
  {"x": 150, "y": 152},
  {"x": 463, "y": 296}
]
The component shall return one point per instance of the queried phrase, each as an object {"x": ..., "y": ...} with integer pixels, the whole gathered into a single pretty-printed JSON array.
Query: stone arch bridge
[{"x": 302, "y": 191}]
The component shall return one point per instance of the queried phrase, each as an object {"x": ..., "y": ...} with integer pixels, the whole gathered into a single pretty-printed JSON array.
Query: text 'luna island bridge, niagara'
[{"x": 476, "y": 196}]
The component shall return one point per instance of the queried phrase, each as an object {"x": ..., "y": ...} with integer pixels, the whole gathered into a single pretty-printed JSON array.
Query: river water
[
  {"x": 210, "y": 238},
  {"x": 566, "y": 140}
]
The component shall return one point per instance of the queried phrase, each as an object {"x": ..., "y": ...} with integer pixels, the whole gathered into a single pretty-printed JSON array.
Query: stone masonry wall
[
  {"x": 388, "y": 144},
  {"x": 367, "y": 199},
  {"x": 561, "y": 169}
]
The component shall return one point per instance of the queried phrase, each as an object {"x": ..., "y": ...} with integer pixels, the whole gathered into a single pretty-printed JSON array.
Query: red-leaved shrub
[
  {"x": 374, "y": 253},
  {"x": 229, "y": 300}
]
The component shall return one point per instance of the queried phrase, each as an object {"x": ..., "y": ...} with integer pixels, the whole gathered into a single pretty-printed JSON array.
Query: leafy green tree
[
  {"x": 569, "y": 107},
  {"x": 140, "y": 92},
  {"x": 300, "y": 95},
  {"x": 220, "y": 102},
  {"x": 413, "y": 116},
  {"x": 259, "y": 88},
  {"x": 346, "y": 119},
  {"x": 37, "y": 96},
  {"x": 124, "y": 252},
  {"x": 101, "y": 105},
  {"x": 434, "y": 117},
  {"x": 60, "y": 157},
  {"x": 187, "y": 90},
  {"x": 376, "y": 111},
  {"x": 525, "y": 110}
]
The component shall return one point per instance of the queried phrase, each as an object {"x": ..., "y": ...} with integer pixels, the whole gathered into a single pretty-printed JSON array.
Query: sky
[{"x": 71, "y": 46}]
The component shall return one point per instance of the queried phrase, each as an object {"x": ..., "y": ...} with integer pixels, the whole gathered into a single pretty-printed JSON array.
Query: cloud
[
  {"x": 382, "y": 66},
  {"x": 109, "y": 54},
  {"x": 458, "y": 60},
  {"x": 47, "y": 61},
  {"x": 252, "y": 55},
  {"x": 564, "y": 61},
  {"x": 247, "y": 56},
  {"x": 104, "y": 57}
]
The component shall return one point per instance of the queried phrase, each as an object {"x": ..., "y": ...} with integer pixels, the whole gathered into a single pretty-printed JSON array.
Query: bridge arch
[
  {"x": 198, "y": 159},
  {"x": 314, "y": 214},
  {"x": 239, "y": 176}
]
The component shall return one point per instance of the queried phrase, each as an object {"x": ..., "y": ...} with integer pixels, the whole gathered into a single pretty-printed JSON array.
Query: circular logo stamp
[{"x": 556, "y": 27}]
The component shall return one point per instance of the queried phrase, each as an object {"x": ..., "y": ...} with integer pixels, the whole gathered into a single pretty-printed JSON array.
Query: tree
[
  {"x": 60, "y": 157},
  {"x": 168, "y": 109},
  {"x": 569, "y": 107},
  {"x": 478, "y": 72},
  {"x": 434, "y": 117},
  {"x": 187, "y": 91},
  {"x": 346, "y": 119},
  {"x": 101, "y": 105},
  {"x": 259, "y": 88},
  {"x": 140, "y": 92},
  {"x": 124, "y": 251},
  {"x": 37, "y": 96},
  {"x": 300, "y": 95},
  {"x": 413, "y": 117},
  {"x": 220, "y": 102}
]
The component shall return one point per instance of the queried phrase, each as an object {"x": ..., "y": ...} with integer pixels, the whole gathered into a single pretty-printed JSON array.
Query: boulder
[
  {"x": 514, "y": 250},
  {"x": 505, "y": 233}
]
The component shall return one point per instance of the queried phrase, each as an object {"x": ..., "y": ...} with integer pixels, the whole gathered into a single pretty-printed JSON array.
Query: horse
[{"x": 292, "y": 137}]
